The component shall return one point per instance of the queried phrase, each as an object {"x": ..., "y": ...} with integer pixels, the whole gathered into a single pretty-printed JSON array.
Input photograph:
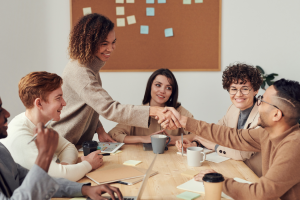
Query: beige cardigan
[
  {"x": 251, "y": 159},
  {"x": 120, "y": 131},
  {"x": 86, "y": 100},
  {"x": 280, "y": 159}
]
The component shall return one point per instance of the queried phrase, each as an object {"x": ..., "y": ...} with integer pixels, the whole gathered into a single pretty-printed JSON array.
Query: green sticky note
[
  {"x": 198, "y": 1},
  {"x": 187, "y": 1},
  {"x": 188, "y": 195}
]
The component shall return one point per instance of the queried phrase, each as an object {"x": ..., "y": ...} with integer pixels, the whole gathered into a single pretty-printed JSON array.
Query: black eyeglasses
[
  {"x": 244, "y": 90},
  {"x": 259, "y": 100}
]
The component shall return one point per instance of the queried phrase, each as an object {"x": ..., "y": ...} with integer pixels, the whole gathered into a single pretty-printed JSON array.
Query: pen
[
  {"x": 104, "y": 154},
  {"x": 182, "y": 144},
  {"x": 124, "y": 183},
  {"x": 34, "y": 137}
]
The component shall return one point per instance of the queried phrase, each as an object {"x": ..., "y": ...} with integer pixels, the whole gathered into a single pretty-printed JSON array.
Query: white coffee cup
[{"x": 195, "y": 156}]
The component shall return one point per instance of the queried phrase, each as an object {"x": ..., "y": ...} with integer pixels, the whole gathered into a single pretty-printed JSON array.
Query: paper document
[{"x": 214, "y": 157}]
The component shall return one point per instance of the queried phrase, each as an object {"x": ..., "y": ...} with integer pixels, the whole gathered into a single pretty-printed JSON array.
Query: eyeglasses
[
  {"x": 259, "y": 100},
  {"x": 244, "y": 90}
]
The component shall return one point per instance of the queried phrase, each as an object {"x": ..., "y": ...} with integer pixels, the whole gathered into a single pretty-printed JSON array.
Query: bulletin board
[{"x": 194, "y": 46}]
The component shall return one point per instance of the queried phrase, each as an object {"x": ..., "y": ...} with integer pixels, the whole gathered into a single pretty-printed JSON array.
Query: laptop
[{"x": 143, "y": 185}]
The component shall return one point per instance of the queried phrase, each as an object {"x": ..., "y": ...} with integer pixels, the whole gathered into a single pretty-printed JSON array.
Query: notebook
[
  {"x": 196, "y": 186},
  {"x": 107, "y": 147}
]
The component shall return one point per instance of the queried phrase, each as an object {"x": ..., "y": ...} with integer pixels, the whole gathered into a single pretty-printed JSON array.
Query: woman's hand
[
  {"x": 186, "y": 144},
  {"x": 200, "y": 176}
]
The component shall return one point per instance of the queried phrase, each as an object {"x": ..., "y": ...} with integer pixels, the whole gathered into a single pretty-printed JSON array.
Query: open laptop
[{"x": 143, "y": 185}]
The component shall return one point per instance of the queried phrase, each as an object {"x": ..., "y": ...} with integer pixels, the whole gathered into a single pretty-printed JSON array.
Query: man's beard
[
  {"x": 261, "y": 122},
  {"x": 3, "y": 134}
]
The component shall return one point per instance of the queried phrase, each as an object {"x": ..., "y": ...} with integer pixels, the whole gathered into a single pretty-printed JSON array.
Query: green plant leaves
[
  {"x": 267, "y": 78},
  {"x": 260, "y": 69}
]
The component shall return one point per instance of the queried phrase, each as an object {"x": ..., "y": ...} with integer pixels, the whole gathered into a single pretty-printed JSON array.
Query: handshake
[{"x": 168, "y": 117}]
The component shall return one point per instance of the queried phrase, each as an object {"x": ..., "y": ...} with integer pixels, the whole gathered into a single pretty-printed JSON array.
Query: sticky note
[
  {"x": 144, "y": 29},
  {"x": 131, "y": 19},
  {"x": 187, "y": 1},
  {"x": 120, "y": 10},
  {"x": 132, "y": 162},
  {"x": 198, "y": 1},
  {"x": 129, "y": 1},
  {"x": 87, "y": 11},
  {"x": 150, "y": 11},
  {"x": 168, "y": 32},
  {"x": 161, "y": 1},
  {"x": 150, "y": 1},
  {"x": 120, "y": 22},
  {"x": 119, "y": 1},
  {"x": 188, "y": 195}
]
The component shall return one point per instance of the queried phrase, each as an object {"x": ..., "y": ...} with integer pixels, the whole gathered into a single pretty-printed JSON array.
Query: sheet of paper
[
  {"x": 120, "y": 10},
  {"x": 87, "y": 10},
  {"x": 161, "y": 1},
  {"x": 150, "y": 1},
  {"x": 131, "y": 19},
  {"x": 144, "y": 29},
  {"x": 150, "y": 11},
  {"x": 132, "y": 162},
  {"x": 187, "y": 1},
  {"x": 119, "y": 1},
  {"x": 129, "y": 1},
  {"x": 198, "y": 1},
  {"x": 169, "y": 32},
  {"x": 188, "y": 195},
  {"x": 120, "y": 22},
  {"x": 214, "y": 157}
]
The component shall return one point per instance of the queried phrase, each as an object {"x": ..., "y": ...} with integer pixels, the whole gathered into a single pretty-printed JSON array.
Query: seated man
[
  {"x": 242, "y": 83},
  {"x": 17, "y": 182},
  {"x": 278, "y": 141},
  {"x": 42, "y": 96}
]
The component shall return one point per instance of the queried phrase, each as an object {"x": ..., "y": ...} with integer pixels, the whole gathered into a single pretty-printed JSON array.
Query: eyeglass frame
[
  {"x": 259, "y": 99},
  {"x": 240, "y": 90}
]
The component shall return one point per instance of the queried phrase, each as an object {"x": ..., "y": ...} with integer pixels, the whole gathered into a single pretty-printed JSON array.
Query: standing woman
[{"x": 92, "y": 42}]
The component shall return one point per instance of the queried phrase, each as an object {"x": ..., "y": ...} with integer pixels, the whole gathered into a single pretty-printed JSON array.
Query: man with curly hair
[
  {"x": 242, "y": 82},
  {"x": 278, "y": 141}
]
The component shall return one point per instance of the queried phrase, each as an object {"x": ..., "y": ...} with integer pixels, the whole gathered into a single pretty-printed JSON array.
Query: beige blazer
[
  {"x": 120, "y": 131},
  {"x": 251, "y": 159}
]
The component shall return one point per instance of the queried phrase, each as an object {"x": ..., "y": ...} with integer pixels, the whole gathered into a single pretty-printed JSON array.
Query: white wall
[{"x": 34, "y": 36}]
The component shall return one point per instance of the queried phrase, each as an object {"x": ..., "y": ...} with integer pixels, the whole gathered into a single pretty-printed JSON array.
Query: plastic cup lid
[{"x": 213, "y": 178}]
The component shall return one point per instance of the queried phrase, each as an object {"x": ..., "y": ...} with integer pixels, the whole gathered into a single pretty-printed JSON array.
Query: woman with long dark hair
[
  {"x": 161, "y": 90},
  {"x": 92, "y": 41}
]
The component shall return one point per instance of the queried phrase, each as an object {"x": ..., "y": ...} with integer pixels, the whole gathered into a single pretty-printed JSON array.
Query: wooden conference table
[{"x": 169, "y": 165}]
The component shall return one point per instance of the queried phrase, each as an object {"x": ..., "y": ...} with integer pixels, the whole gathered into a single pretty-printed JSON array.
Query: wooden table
[{"x": 170, "y": 165}]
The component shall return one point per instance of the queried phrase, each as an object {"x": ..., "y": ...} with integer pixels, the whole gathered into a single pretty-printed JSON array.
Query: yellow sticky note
[
  {"x": 120, "y": 10},
  {"x": 87, "y": 11},
  {"x": 120, "y": 22},
  {"x": 119, "y": 1},
  {"x": 132, "y": 162},
  {"x": 129, "y": 1},
  {"x": 131, "y": 19}
]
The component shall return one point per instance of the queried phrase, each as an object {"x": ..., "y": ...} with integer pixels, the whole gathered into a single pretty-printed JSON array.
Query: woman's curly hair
[
  {"x": 243, "y": 72},
  {"x": 87, "y": 35}
]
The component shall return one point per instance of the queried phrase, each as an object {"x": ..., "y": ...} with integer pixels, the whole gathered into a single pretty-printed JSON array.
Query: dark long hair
[{"x": 172, "y": 101}]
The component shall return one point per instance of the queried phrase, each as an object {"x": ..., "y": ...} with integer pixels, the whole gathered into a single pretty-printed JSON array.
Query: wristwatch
[{"x": 198, "y": 144}]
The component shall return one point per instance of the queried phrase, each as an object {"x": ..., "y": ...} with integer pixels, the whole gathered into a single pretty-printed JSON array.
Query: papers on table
[
  {"x": 198, "y": 187},
  {"x": 214, "y": 157}
]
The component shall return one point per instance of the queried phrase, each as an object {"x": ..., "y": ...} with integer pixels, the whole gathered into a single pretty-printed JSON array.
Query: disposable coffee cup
[
  {"x": 159, "y": 142},
  {"x": 195, "y": 156},
  {"x": 213, "y": 184}
]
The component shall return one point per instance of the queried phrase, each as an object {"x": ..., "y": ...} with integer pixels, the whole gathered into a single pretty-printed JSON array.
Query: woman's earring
[{"x": 170, "y": 99}]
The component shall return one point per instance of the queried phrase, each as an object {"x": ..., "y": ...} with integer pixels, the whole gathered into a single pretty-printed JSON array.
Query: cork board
[{"x": 195, "y": 45}]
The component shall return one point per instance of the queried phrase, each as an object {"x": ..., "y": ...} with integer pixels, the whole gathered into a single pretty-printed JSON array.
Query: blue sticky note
[
  {"x": 150, "y": 11},
  {"x": 150, "y": 1},
  {"x": 161, "y": 1},
  {"x": 144, "y": 29},
  {"x": 198, "y": 1},
  {"x": 168, "y": 32}
]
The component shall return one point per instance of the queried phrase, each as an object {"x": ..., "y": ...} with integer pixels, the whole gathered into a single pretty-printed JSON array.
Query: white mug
[{"x": 195, "y": 156}]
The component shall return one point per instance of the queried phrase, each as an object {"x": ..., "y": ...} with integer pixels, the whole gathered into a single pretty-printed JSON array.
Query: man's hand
[
  {"x": 95, "y": 192},
  {"x": 186, "y": 144},
  {"x": 103, "y": 136},
  {"x": 200, "y": 176},
  {"x": 162, "y": 115},
  {"x": 165, "y": 123},
  {"x": 46, "y": 143},
  {"x": 94, "y": 159}
]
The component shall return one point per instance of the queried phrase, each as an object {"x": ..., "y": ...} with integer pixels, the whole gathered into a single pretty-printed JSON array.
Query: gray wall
[{"x": 34, "y": 36}]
